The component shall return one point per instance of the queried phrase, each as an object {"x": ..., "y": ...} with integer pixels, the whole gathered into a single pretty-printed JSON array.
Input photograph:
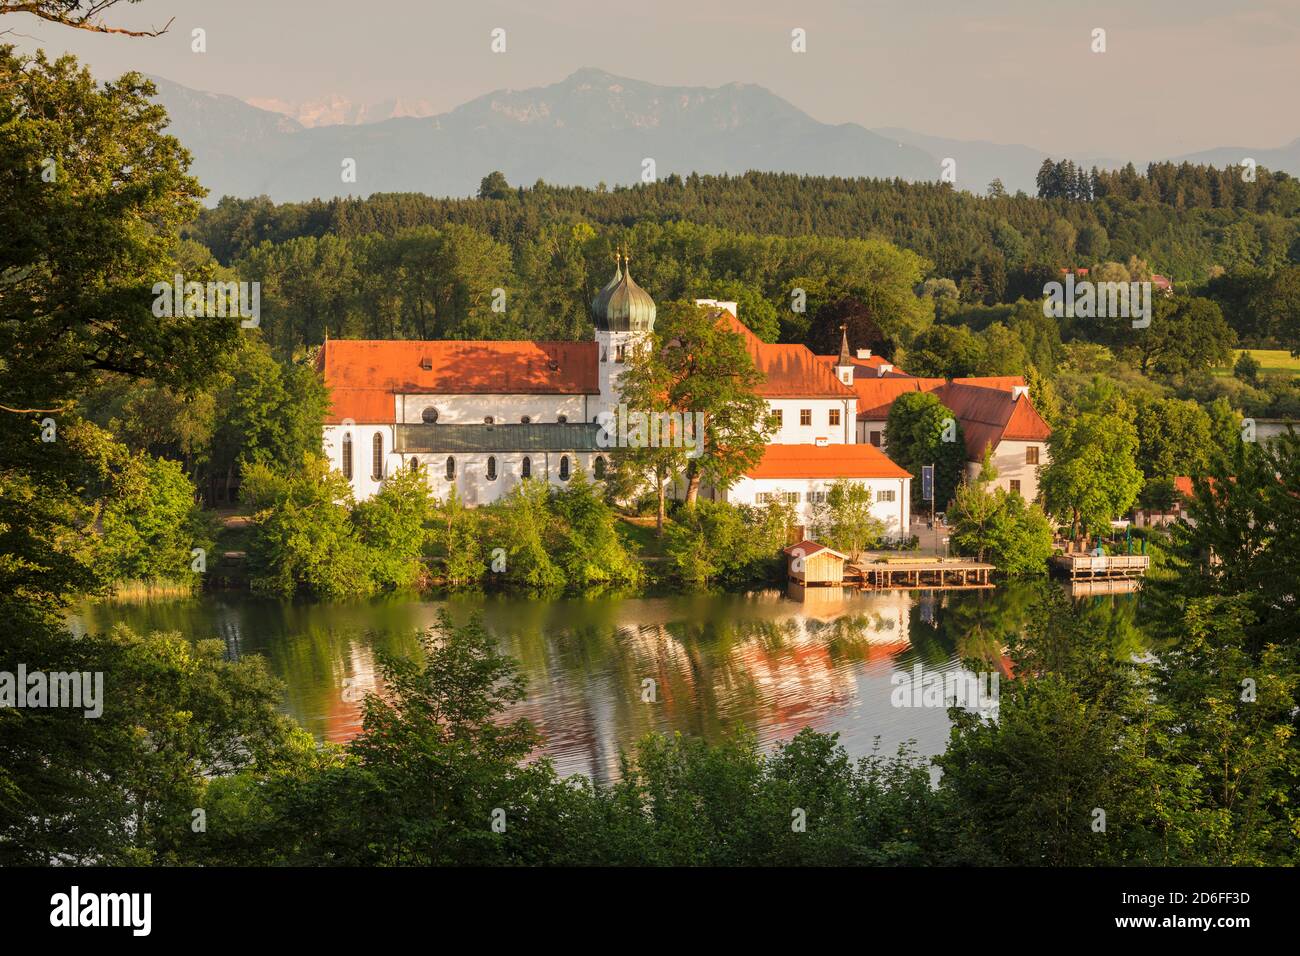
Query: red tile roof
[
  {"x": 875, "y": 395},
  {"x": 990, "y": 415},
  {"x": 363, "y": 375},
  {"x": 790, "y": 371},
  {"x": 872, "y": 363},
  {"x": 826, "y": 461},
  {"x": 807, "y": 548}
]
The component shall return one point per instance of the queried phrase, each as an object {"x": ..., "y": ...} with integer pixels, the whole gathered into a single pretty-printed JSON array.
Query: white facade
[
  {"x": 891, "y": 497},
  {"x": 615, "y": 350},
  {"x": 830, "y": 421},
  {"x": 1018, "y": 464},
  {"x": 502, "y": 409}
]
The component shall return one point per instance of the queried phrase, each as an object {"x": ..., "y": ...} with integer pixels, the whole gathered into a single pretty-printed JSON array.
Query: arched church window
[
  {"x": 347, "y": 456},
  {"x": 429, "y": 416},
  {"x": 414, "y": 464},
  {"x": 492, "y": 468},
  {"x": 598, "y": 468},
  {"x": 527, "y": 470},
  {"x": 451, "y": 468},
  {"x": 564, "y": 468},
  {"x": 377, "y": 456}
]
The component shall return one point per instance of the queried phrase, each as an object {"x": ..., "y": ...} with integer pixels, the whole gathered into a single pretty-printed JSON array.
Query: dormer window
[{"x": 426, "y": 363}]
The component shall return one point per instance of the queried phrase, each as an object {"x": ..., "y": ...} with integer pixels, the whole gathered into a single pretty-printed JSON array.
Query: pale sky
[{"x": 1177, "y": 76}]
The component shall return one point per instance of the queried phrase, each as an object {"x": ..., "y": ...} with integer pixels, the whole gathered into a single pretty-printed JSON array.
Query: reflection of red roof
[
  {"x": 826, "y": 461},
  {"x": 990, "y": 415},
  {"x": 363, "y": 375},
  {"x": 790, "y": 371}
]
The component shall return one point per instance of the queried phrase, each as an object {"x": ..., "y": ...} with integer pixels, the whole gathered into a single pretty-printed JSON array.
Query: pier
[
  {"x": 914, "y": 573},
  {"x": 1083, "y": 568}
]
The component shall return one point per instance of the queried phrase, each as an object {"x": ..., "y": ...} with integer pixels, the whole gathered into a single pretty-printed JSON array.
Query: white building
[{"x": 482, "y": 416}]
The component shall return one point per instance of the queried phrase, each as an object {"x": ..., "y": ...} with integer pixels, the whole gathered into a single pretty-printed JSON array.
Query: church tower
[
  {"x": 844, "y": 364},
  {"x": 624, "y": 316}
]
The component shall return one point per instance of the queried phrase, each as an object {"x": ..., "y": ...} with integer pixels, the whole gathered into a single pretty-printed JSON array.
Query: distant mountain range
[
  {"x": 589, "y": 128},
  {"x": 335, "y": 110}
]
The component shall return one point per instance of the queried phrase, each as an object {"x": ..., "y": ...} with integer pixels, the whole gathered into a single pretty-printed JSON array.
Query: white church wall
[
  {"x": 792, "y": 432},
  {"x": 363, "y": 480},
  {"x": 505, "y": 409}
]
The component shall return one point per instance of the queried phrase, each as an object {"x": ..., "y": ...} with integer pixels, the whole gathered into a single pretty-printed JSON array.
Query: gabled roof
[
  {"x": 790, "y": 371},
  {"x": 875, "y": 395},
  {"x": 364, "y": 374},
  {"x": 807, "y": 548},
  {"x": 826, "y": 461},
  {"x": 991, "y": 415}
]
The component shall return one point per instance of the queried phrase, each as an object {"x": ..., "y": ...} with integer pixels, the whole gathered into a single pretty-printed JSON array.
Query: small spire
[{"x": 845, "y": 358}]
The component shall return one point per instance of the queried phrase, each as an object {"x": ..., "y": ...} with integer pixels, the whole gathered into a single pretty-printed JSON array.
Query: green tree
[
  {"x": 591, "y": 552},
  {"x": 304, "y": 540},
  {"x": 522, "y": 526},
  {"x": 999, "y": 526},
  {"x": 149, "y": 532},
  {"x": 706, "y": 371},
  {"x": 919, "y": 431},
  {"x": 393, "y": 525},
  {"x": 494, "y": 186},
  {"x": 1093, "y": 476},
  {"x": 843, "y": 520},
  {"x": 457, "y": 535}
]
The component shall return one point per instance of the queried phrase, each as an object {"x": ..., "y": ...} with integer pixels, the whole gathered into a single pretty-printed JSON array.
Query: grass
[
  {"x": 640, "y": 535},
  {"x": 1271, "y": 362}
]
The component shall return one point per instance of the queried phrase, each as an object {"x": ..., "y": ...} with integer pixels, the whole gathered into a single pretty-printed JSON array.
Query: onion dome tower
[
  {"x": 623, "y": 306},
  {"x": 624, "y": 316}
]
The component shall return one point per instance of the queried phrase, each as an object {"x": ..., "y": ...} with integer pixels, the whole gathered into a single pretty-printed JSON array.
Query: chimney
[
  {"x": 864, "y": 353},
  {"x": 716, "y": 304},
  {"x": 1019, "y": 390},
  {"x": 880, "y": 372}
]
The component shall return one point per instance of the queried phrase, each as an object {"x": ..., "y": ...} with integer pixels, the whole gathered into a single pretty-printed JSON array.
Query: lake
[{"x": 773, "y": 664}]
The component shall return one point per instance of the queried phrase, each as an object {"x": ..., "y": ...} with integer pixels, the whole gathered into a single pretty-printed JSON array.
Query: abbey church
[{"x": 482, "y": 416}]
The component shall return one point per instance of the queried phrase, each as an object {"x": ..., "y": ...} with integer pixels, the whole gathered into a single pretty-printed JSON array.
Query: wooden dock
[
  {"x": 911, "y": 574},
  {"x": 1106, "y": 567}
]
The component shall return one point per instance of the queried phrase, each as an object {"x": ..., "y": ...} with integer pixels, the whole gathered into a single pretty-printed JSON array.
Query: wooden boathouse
[{"x": 814, "y": 565}]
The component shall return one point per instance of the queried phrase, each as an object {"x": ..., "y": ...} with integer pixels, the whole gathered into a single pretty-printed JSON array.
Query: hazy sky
[{"x": 1178, "y": 75}]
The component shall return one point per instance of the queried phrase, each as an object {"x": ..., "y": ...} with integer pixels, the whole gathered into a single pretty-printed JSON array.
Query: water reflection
[{"x": 763, "y": 660}]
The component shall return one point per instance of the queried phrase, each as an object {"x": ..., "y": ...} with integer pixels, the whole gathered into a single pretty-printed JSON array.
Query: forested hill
[{"x": 1184, "y": 221}]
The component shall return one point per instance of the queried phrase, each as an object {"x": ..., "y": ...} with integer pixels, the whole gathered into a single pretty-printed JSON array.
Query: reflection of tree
[{"x": 979, "y": 627}]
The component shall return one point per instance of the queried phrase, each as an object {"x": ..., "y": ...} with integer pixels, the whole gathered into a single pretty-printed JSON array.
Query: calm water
[{"x": 766, "y": 661}]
